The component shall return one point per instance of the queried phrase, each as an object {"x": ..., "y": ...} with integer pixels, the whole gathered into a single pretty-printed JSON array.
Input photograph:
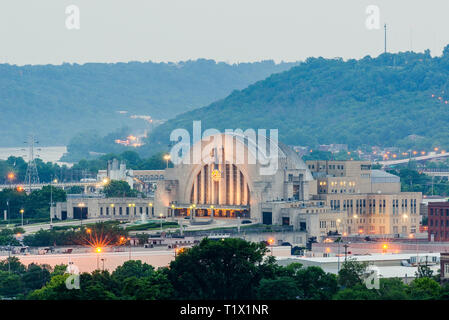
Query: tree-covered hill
[
  {"x": 394, "y": 99},
  {"x": 58, "y": 102}
]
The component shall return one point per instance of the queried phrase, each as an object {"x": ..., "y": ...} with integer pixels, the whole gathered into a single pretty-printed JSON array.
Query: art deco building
[
  {"x": 371, "y": 199},
  {"x": 224, "y": 187}
]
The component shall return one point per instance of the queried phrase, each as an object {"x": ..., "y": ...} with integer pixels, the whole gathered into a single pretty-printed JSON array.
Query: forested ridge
[
  {"x": 392, "y": 100},
  {"x": 56, "y": 102}
]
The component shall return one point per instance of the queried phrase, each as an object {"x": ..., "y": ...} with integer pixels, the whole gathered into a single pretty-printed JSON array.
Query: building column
[
  {"x": 195, "y": 190},
  {"x": 231, "y": 184},
  {"x": 238, "y": 194},
  {"x": 203, "y": 181}
]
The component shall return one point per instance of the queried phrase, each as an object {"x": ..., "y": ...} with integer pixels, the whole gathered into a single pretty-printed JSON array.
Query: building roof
[{"x": 380, "y": 176}]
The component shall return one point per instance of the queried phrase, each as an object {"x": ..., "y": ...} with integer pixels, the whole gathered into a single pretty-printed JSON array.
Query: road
[
  {"x": 421, "y": 158},
  {"x": 32, "y": 228}
]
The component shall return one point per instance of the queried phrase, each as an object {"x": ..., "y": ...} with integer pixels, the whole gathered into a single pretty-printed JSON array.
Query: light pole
[
  {"x": 167, "y": 158},
  {"x": 51, "y": 201},
  {"x": 81, "y": 206},
  {"x": 129, "y": 241},
  {"x": 21, "y": 213},
  {"x": 98, "y": 250},
  {"x": 160, "y": 217},
  {"x": 346, "y": 250}
]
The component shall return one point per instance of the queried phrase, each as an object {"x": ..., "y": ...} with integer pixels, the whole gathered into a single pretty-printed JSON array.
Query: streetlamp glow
[{"x": 167, "y": 158}]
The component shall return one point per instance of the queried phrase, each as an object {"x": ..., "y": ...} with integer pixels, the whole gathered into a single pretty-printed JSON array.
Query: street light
[
  {"x": 21, "y": 213},
  {"x": 167, "y": 158},
  {"x": 51, "y": 201},
  {"x": 98, "y": 250},
  {"x": 160, "y": 216},
  {"x": 81, "y": 206}
]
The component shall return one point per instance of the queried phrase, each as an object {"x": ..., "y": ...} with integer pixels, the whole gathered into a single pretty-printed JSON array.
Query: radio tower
[{"x": 31, "y": 176}]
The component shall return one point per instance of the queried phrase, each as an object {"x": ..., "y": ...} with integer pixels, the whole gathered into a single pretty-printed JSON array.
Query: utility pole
[
  {"x": 346, "y": 250},
  {"x": 385, "y": 40},
  {"x": 31, "y": 177}
]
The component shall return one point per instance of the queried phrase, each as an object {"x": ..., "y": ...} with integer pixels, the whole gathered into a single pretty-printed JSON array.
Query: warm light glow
[
  {"x": 411, "y": 235},
  {"x": 385, "y": 246},
  {"x": 88, "y": 230},
  {"x": 98, "y": 249},
  {"x": 167, "y": 157},
  {"x": 18, "y": 235},
  {"x": 20, "y": 188},
  {"x": 435, "y": 149},
  {"x": 404, "y": 216},
  {"x": 355, "y": 216},
  {"x": 105, "y": 181},
  {"x": 328, "y": 249},
  {"x": 112, "y": 205},
  {"x": 360, "y": 230},
  {"x": 81, "y": 204},
  {"x": 271, "y": 241},
  {"x": 150, "y": 204},
  {"x": 344, "y": 234},
  {"x": 172, "y": 206},
  {"x": 11, "y": 176},
  {"x": 22, "y": 211}
]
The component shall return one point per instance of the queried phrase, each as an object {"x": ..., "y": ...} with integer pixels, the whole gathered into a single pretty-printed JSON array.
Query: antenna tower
[{"x": 31, "y": 176}]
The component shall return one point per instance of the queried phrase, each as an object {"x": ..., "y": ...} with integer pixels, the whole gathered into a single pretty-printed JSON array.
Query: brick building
[{"x": 438, "y": 221}]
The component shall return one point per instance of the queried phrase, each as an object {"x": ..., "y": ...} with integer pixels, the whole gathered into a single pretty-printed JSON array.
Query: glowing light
[
  {"x": 270, "y": 241},
  {"x": 19, "y": 188},
  {"x": 11, "y": 176},
  {"x": 105, "y": 180},
  {"x": 328, "y": 249},
  {"x": 98, "y": 249},
  {"x": 216, "y": 175},
  {"x": 167, "y": 157},
  {"x": 385, "y": 246}
]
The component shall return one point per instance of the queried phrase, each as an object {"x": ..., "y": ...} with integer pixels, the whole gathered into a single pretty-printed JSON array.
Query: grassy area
[{"x": 152, "y": 226}]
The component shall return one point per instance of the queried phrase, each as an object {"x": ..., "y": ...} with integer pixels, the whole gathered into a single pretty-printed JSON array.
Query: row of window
[{"x": 112, "y": 210}]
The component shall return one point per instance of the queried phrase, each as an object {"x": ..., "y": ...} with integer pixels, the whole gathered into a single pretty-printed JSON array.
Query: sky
[{"x": 35, "y": 32}]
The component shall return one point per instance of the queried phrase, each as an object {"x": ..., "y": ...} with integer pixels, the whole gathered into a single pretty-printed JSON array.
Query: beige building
[{"x": 371, "y": 199}]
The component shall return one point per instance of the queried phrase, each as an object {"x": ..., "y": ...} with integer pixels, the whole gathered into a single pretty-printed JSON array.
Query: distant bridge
[
  {"x": 420, "y": 158},
  {"x": 38, "y": 186}
]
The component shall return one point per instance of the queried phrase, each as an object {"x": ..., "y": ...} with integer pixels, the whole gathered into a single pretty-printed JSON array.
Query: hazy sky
[{"x": 34, "y": 31}]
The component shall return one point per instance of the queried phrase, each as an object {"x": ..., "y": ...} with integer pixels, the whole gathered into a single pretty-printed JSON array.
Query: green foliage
[
  {"x": 381, "y": 101},
  {"x": 110, "y": 231},
  {"x": 352, "y": 273},
  {"x": 221, "y": 270},
  {"x": 152, "y": 225},
  {"x": 35, "y": 205},
  {"x": 118, "y": 188},
  {"x": 424, "y": 289}
]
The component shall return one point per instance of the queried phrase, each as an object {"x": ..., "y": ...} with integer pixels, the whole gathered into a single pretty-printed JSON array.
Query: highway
[{"x": 420, "y": 158}]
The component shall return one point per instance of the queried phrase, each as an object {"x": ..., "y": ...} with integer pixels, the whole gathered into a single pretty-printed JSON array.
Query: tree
[
  {"x": 352, "y": 273},
  {"x": 10, "y": 284},
  {"x": 228, "y": 269},
  {"x": 424, "y": 289},
  {"x": 282, "y": 288},
  {"x": 118, "y": 188}
]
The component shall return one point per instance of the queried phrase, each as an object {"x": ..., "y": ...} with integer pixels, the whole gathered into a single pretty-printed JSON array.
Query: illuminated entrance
[{"x": 231, "y": 212}]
